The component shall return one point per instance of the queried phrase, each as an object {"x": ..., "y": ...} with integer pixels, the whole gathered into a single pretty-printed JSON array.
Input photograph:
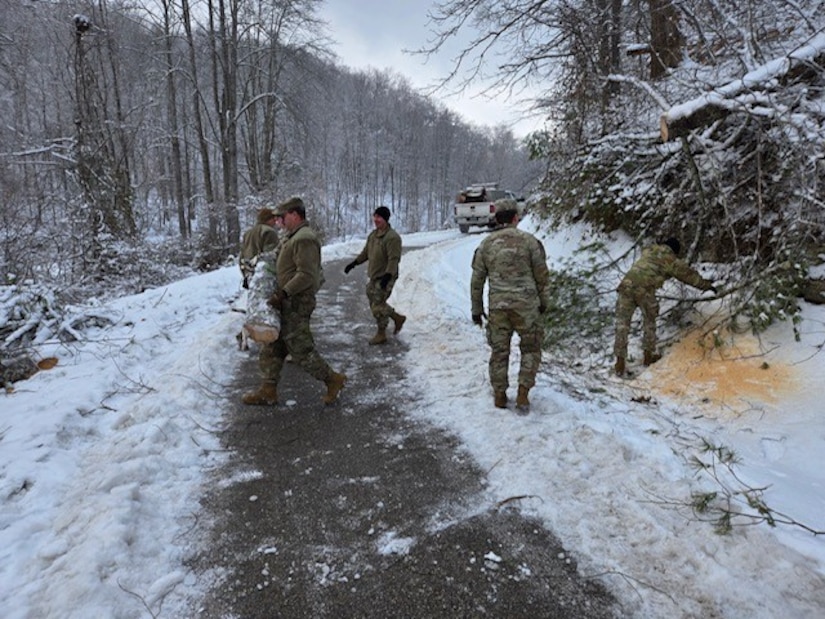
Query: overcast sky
[{"x": 375, "y": 33}]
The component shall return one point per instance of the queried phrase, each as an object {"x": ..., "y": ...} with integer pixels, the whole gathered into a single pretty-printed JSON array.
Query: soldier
[
  {"x": 519, "y": 293},
  {"x": 298, "y": 272},
  {"x": 258, "y": 239},
  {"x": 383, "y": 251},
  {"x": 657, "y": 264}
]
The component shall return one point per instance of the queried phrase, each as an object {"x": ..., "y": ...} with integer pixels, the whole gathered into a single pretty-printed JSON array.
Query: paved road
[{"x": 357, "y": 510}]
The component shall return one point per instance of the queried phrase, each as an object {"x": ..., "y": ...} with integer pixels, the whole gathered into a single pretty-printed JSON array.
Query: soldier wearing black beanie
[
  {"x": 383, "y": 212},
  {"x": 383, "y": 252}
]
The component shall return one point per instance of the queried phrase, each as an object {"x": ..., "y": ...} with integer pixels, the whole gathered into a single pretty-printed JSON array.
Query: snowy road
[{"x": 361, "y": 510}]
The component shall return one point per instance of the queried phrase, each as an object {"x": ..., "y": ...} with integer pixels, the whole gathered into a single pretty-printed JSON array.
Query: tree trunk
[
  {"x": 118, "y": 213},
  {"x": 103, "y": 153},
  {"x": 86, "y": 220},
  {"x": 228, "y": 110},
  {"x": 172, "y": 113},
  {"x": 666, "y": 40},
  {"x": 203, "y": 143}
]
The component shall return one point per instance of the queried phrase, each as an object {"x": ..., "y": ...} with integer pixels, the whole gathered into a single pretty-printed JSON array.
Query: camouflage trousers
[
  {"x": 501, "y": 325},
  {"x": 377, "y": 298},
  {"x": 629, "y": 298},
  {"x": 295, "y": 339}
]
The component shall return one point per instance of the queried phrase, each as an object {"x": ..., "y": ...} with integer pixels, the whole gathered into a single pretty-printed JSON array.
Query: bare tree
[
  {"x": 200, "y": 127},
  {"x": 176, "y": 157},
  {"x": 103, "y": 157},
  {"x": 561, "y": 46},
  {"x": 224, "y": 36}
]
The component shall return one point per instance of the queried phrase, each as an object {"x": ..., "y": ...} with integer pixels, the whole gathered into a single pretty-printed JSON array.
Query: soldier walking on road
[
  {"x": 657, "y": 264},
  {"x": 519, "y": 293},
  {"x": 298, "y": 272},
  {"x": 383, "y": 251}
]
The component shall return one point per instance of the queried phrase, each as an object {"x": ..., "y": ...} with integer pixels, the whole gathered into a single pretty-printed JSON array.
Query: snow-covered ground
[{"x": 102, "y": 458}]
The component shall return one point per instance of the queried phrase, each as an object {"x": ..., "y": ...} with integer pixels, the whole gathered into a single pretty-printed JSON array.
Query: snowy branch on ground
[{"x": 30, "y": 315}]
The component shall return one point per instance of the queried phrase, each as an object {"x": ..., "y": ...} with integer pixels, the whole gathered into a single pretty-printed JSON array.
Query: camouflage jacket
[
  {"x": 298, "y": 268},
  {"x": 383, "y": 251},
  {"x": 258, "y": 239},
  {"x": 515, "y": 264},
  {"x": 658, "y": 264}
]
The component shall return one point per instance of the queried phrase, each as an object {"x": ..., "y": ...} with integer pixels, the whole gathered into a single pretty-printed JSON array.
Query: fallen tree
[{"x": 750, "y": 93}]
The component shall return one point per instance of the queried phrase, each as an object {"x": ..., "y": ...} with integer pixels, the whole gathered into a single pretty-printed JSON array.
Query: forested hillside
[{"x": 139, "y": 135}]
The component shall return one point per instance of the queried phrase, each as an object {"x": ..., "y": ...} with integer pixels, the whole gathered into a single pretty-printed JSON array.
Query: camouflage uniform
[
  {"x": 657, "y": 264},
  {"x": 383, "y": 251},
  {"x": 298, "y": 272},
  {"x": 258, "y": 239},
  {"x": 519, "y": 289}
]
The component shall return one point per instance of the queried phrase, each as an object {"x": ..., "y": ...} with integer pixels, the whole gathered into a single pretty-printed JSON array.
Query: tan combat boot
[
  {"x": 266, "y": 395},
  {"x": 620, "y": 366},
  {"x": 380, "y": 337},
  {"x": 399, "y": 320},
  {"x": 334, "y": 385},
  {"x": 651, "y": 357},
  {"x": 522, "y": 403},
  {"x": 500, "y": 399}
]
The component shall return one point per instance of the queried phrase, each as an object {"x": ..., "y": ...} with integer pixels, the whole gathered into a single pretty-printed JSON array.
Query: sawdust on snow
[{"x": 721, "y": 368}]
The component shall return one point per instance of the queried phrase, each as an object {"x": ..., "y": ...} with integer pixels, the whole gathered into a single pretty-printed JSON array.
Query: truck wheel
[{"x": 463, "y": 228}]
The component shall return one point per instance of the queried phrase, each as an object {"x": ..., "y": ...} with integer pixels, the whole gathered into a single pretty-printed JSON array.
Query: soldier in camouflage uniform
[
  {"x": 657, "y": 264},
  {"x": 383, "y": 251},
  {"x": 260, "y": 238},
  {"x": 515, "y": 264},
  {"x": 298, "y": 272}
]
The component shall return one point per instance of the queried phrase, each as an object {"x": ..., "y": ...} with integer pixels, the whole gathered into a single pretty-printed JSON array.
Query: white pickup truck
[{"x": 475, "y": 205}]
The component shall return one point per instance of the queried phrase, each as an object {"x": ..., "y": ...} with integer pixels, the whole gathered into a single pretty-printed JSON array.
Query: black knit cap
[{"x": 383, "y": 212}]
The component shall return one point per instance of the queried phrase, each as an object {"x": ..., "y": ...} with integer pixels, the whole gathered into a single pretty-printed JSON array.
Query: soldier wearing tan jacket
[
  {"x": 298, "y": 271},
  {"x": 657, "y": 264}
]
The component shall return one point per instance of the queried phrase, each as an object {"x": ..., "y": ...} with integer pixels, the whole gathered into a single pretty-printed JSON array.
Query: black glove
[
  {"x": 350, "y": 266},
  {"x": 246, "y": 283},
  {"x": 385, "y": 280},
  {"x": 276, "y": 301},
  {"x": 477, "y": 320}
]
